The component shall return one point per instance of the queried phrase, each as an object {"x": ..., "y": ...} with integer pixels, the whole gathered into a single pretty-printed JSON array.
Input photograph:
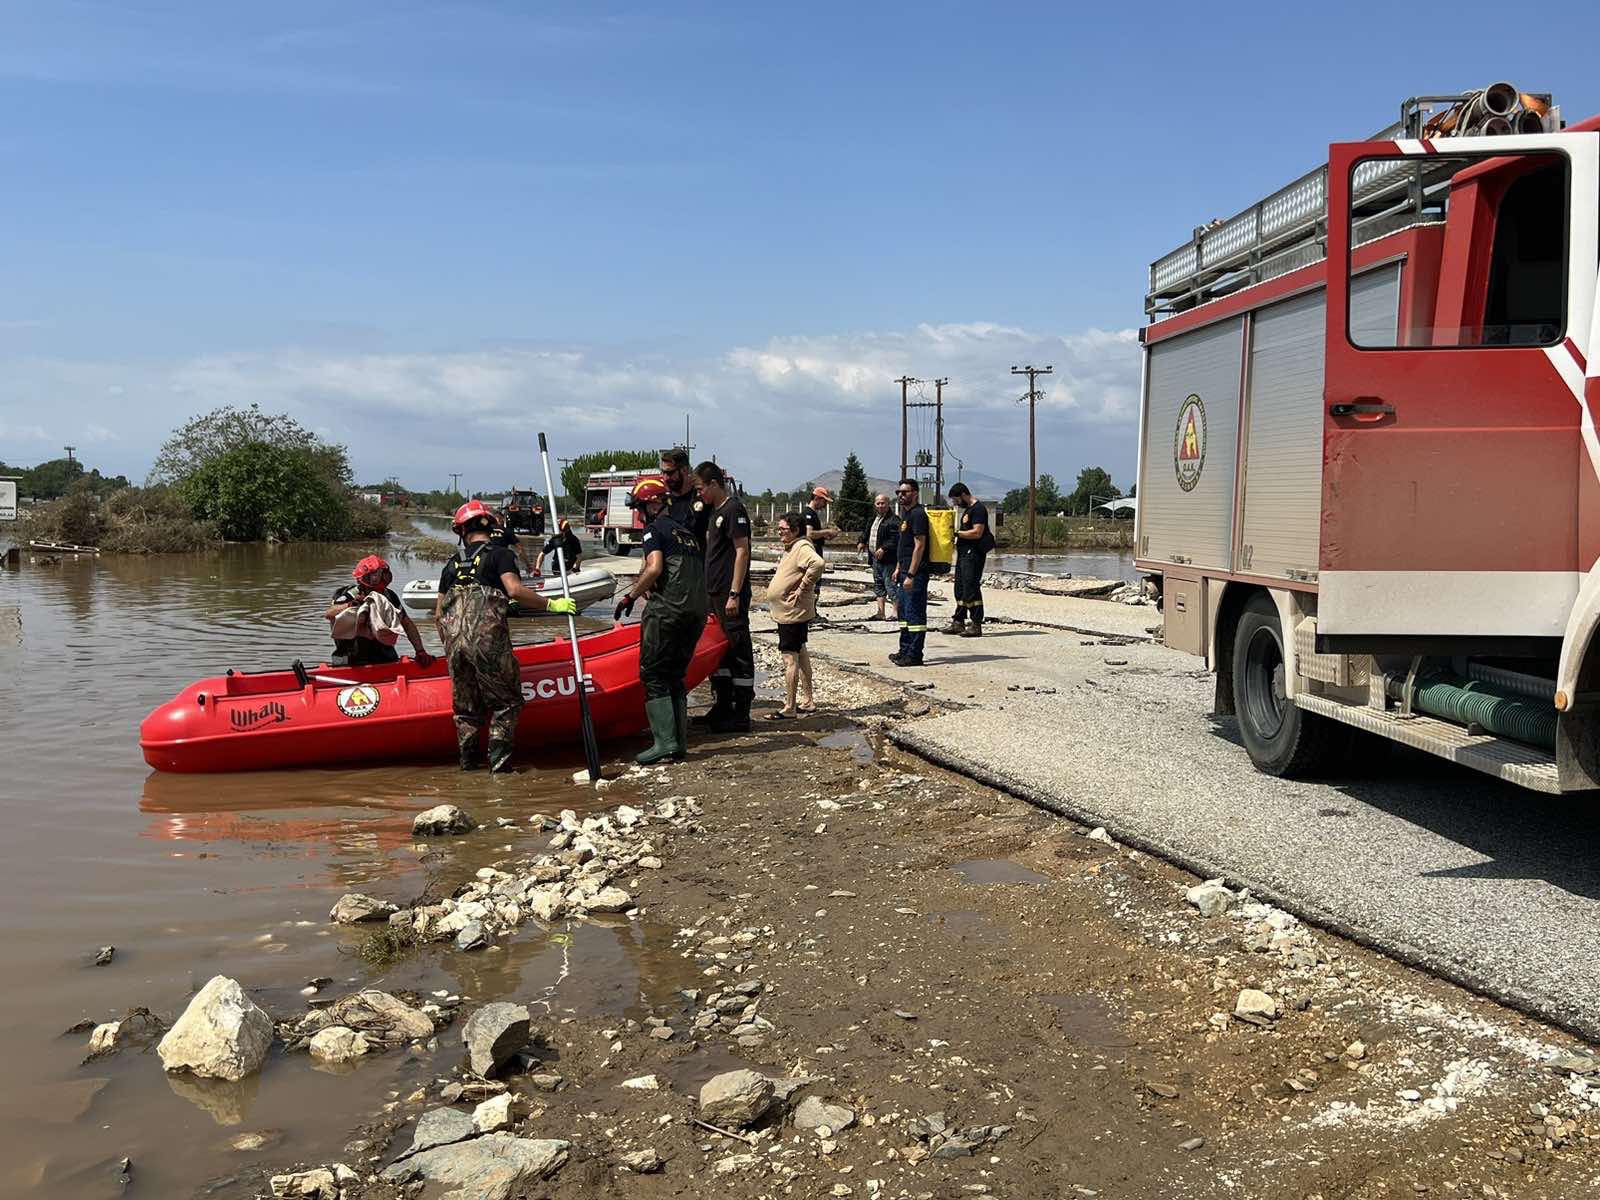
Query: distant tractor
[{"x": 524, "y": 512}]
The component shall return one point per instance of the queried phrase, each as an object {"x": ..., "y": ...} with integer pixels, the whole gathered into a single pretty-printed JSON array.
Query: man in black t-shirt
[
  {"x": 911, "y": 575},
  {"x": 974, "y": 540},
  {"x": 728, "y": 594},
  {"x": 571, "y": 550},
  {"x": 683, "y": 500},
  {"x": 818, "y": 533},
  {"x": 372, "y": 575}
]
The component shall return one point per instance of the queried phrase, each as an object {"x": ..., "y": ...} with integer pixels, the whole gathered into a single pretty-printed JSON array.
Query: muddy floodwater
[
  {"x": 1081, "y": 564},
  {"x": 194, "y": 876}
]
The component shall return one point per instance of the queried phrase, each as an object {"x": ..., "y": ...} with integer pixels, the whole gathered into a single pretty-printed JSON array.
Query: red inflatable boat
[{"x": 326, "y": 716}]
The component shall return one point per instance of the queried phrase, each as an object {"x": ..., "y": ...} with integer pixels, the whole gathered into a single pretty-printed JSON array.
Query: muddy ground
[{"x": 928, "y": 946}]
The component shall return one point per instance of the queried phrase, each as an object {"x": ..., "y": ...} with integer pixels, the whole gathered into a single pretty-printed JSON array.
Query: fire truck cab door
[{"x": 1456, "y": 441}]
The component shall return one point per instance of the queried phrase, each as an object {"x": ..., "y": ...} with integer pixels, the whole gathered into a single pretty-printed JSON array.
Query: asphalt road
[{"x": 1486, "y": 884}]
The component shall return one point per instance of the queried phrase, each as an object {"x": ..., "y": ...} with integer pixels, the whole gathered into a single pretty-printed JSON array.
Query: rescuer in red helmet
[
  {"x": 485, "y": 681},
  {"x": 674, "y": 578},
  {"x": 358, "y": 639}
]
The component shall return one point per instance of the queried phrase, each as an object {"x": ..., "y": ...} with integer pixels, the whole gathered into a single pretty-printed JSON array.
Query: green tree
[
  {"x": 1094, "y": 487},
  {"x": 854, "y": 502},
  {"x": 202, "y": 439},
  {"x": 258, "y": 491},
  {"x": 576, "y": 473},
  {"x": 1047, "y": 498}
]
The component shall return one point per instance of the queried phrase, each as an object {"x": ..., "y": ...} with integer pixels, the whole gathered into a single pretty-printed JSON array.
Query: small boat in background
[
  {"x": 588, "y": 586},
  {"x": 397, "y": 712},
  {"x": 62, "y": 548}
]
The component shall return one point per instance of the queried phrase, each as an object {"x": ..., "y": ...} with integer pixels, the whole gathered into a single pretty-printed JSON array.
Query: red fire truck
[
  {"x": 606, "y": 514},
  {"x": 1369, "y": 477}
]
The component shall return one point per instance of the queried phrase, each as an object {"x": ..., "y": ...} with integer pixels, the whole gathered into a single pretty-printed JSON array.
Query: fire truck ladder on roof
[{"x": 1289, "y": 229}]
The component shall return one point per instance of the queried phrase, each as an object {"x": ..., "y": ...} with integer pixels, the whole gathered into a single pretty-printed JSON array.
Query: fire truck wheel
[
  {"x": 609, "y": 541},
  {"x": 1281, "y": 738}
]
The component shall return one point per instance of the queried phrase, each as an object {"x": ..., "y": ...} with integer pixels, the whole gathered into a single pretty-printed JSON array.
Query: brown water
[{"x": 193, "y": 876}]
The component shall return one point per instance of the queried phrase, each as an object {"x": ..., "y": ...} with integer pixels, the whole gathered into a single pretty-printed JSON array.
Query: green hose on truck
[{"x": 1492, "y": 709}]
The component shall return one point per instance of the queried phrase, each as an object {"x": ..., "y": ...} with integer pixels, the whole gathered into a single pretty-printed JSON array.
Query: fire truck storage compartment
[
  {"x": 1183, "y": 613},
  {"x": 1282, "y": 488},
  {"x": 1193, "y": 526}
]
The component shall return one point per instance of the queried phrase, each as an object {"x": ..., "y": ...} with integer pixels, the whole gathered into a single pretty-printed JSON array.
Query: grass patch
[
  {"x": 430, "y": 549},
  {"x": 387, "y": 946}
]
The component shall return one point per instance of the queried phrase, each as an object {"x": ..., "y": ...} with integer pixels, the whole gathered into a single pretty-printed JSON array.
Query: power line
[{"x": 1032, "y": 398}]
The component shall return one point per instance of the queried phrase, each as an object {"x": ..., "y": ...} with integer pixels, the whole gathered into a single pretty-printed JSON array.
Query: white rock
[
  {"x": 1212, "y": 898},
  {"x": 642, "y": 1083},
  {"x": 494, "y": 1114},
  {"x": 1254, "y": 1003},
  {"x": 355, "y": 907},
  {"x": 443, "y": 818},
  {"x": 337, "y": 1044},
  {"x": 628, "y": 816},
  {"x": 609, "y": 900},
  {"x": 735, "y": 1099},
  {"x": 547, "y": 903},
  {"x": 1099, "y": 834},
  {"x": 223, "y": 1034},
  {"x": 826, "y": 1119}
]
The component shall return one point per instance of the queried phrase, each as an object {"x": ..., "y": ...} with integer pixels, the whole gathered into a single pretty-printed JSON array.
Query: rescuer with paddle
[
  {"x": 485, "y": 681},
  {"x": 674, "y": 578}
]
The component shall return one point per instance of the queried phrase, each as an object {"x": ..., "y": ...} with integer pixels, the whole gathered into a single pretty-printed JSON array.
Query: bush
[
  {"x": 259, "y": 492},
  {"x": 130, "y": 521},
  {"x": 366, "y": 521}
]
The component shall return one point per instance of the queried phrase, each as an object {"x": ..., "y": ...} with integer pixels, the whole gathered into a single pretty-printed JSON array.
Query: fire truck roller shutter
[
  {"x": 1186, "y": 495},
  {"x": 1283, "y": 439}
]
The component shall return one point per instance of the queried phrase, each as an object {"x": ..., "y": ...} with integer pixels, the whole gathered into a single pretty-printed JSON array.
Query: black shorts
[{"x": 792, "y": 638}]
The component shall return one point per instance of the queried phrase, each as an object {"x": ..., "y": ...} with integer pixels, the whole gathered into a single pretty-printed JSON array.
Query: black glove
[{"x": 624, "y": 609}]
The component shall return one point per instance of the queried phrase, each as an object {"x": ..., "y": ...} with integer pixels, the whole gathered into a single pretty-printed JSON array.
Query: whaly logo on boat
[
  {"x": 358, "y": 701},
  {"x": 247, "y": 718},
  {"x": 548, "y": 688}
]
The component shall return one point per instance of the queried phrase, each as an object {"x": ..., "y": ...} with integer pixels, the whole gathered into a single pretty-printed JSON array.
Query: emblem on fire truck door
[{"x": 1189, "y": 443}]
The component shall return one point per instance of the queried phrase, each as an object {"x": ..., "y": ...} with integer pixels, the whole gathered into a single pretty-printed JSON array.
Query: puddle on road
[
  {"x": 864, "y": 746},
  {"x": 688, "y": 1074},
  {"x": 1087, "y": 1019},
  {"x": 997, "y": 870}
]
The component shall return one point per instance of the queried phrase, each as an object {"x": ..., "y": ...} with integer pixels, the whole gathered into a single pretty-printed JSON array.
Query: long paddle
[{"x": 591, "y": 748}]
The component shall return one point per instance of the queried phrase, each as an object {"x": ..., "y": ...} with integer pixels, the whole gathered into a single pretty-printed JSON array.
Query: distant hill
[{"x": 985, "y": 487}]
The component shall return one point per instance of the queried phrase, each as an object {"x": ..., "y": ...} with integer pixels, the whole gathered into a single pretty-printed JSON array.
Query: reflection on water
[
  {"x": 194, "y": 876},
  {"x": 1086, "y": 564}
]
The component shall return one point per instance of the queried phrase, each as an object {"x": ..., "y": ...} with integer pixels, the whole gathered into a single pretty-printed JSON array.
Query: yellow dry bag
[{"x": 941, "y": 539}]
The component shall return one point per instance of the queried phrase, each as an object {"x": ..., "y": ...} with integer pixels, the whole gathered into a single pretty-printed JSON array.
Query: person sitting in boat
[
  {"x": 674, "y": 578},
  {"x": 367, "y": 619},
  {"x": 571, "y": 550},
  {"x": 475, "y": 589}
]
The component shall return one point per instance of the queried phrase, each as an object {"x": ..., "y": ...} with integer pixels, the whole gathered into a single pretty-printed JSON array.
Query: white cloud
[{"x": 788, "y": 407}]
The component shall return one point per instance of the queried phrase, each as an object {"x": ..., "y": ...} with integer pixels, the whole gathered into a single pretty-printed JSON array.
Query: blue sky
[{"x": 430, "y": 229}]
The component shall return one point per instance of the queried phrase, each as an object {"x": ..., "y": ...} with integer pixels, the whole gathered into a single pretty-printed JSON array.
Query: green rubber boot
[
  {"x": 680, "y": 714},
  {"x": 664, "y": 728}
]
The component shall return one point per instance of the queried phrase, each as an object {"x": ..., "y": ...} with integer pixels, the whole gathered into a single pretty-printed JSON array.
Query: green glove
[{"x": 564, "y": 606}]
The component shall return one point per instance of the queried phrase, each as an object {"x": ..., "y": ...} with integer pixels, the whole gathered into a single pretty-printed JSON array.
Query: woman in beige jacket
[{"x": 792, "y": 597}]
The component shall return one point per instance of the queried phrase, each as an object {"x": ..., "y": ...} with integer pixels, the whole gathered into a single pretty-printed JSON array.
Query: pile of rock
[
  {"x": 574, "y": 880},
  {"x": 366, "y": 1022}
]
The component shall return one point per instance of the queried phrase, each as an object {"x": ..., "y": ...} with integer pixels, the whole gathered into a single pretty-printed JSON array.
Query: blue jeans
[
  {"x": 883, "y": 584},
  {"x": 913, "y": 606}
]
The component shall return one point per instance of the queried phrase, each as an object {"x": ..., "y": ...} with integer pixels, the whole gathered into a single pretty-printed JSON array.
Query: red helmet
[
  {"x": 647, "y": 490},
  {"x": 370, "y": 566},
  {"x": 471, "y": 511}
]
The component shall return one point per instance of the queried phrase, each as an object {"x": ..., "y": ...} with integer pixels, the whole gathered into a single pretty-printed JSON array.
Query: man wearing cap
[{"x": 818, "y": 534}]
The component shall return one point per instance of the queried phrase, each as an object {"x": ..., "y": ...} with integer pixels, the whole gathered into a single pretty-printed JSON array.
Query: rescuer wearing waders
[
  {"x": 728, "y": 591},
  {"x": 674, "y": 577},
  {"x": 974, "y": 540},
  {"x": 485, "y": 680}
]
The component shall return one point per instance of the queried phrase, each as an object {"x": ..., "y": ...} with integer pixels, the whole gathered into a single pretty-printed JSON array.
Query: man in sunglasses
[{"x": 684, "y": 504}]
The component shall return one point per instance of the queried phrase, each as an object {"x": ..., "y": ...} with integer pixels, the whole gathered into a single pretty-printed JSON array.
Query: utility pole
[
  {"x": 904, "y": 381},
  {"x": 455, "y": 483},
  {"x": 938, "y": 435},
  {"x": 688, "y": 446},
  {"x": 70, "y": 449},
  {"x": 1032, "y": 398}
]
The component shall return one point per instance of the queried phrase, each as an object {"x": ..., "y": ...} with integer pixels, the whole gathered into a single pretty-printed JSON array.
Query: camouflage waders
[{"x": 485, "y": 679}]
